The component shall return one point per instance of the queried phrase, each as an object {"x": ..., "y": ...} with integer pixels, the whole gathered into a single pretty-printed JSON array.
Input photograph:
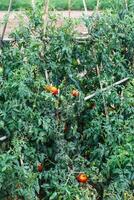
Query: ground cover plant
[
  {"x": 59, "y": 146},
  {"x": 63, "y": 5}
]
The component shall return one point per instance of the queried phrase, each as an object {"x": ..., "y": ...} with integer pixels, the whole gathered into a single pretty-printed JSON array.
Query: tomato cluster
[
  {"x": 55, "y": 91},
  {"x": 52, "y": 89}
]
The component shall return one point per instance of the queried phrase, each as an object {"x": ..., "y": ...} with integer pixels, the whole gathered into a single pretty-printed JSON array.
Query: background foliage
[
  {"x": 63, "y": 5},
  {"x": 67, "y": 134}
]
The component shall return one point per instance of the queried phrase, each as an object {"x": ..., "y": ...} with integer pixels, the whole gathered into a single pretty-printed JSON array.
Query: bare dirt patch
[{"x": 17, "y": 18}]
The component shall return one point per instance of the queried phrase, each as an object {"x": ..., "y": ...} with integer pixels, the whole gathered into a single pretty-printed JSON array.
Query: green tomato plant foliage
[{"x": 67, "y": 134}]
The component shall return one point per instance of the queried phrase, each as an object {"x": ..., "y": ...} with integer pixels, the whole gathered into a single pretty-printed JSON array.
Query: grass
[
  {"x": 62, "y": 4},
  {"x": 17, "y": 4}
]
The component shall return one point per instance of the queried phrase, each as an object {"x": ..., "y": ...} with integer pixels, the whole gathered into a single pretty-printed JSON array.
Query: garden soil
[{"x": 17, "y": 18}]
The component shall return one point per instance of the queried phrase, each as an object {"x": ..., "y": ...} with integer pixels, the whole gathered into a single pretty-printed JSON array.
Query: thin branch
[
  {"x": 21, "y": 160},
  {"x": 3, "y": 138},
  {"x": 72, "y": 172},
  {"x": 47, "y": 77},
  {"x": 5, "y": 26},
  {"x": 107, "y": 88},
  {"x": 122, "y": 97}
]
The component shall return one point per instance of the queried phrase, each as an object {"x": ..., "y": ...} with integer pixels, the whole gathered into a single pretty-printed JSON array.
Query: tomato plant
[{"x": 52, "y": 136}]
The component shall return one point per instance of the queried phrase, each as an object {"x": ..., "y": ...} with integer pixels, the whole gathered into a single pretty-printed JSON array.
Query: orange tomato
[
  {"x": 40, "y": 167},
  {"x": 75, "y": 93},
  {"x": 82, "y": 178},
  {"x": 52, "y": 89}
]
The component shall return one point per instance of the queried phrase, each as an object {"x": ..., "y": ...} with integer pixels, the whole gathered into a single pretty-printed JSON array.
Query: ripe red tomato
[
  {"x": 40, "y": 167},
  {"x": 75, "y": 93},
  {"x": 82, "y": 178},
  {"x": 54, "y": 91}
]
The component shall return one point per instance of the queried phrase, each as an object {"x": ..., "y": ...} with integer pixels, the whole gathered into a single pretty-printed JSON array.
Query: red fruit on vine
[
  {"x": 82, "y": 178},
  {"x": 54, "y": 91},
  {"x": 75, "y": 93},
  {"x": 40, "y": 167}
]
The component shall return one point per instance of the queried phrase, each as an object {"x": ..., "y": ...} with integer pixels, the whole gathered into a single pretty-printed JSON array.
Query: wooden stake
[
  {"x": 5, "y": 26},
  {"x": 105, "y": 89},
  {"x": 46, "y": 15},
  {"x": 101, "y": 87},
  {"x": 33, "y": 4},
  {"x": 126, "y": 4},
  {"x": 85, "y": 7},
  {"x": 69, "y": 8},
  {"x": 97, "y": 6}
]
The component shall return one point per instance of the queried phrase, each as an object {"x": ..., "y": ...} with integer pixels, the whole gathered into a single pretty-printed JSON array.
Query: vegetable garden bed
[{"x": 67, "y": 110}]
